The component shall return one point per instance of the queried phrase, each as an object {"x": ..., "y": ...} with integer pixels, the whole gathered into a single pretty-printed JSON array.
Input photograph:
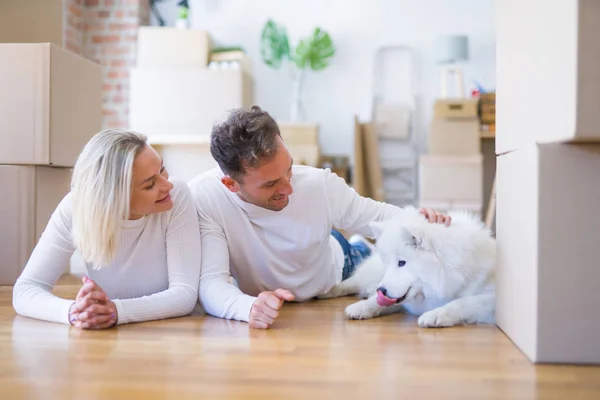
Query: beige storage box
[
  {"x": 451, "y": 178},
  {"x": 305, "y": 134},
  {"x": 548, "y": 234},
  {"x": 548, "y": 80},
  {"x": 455, "y": 108},
  {"x": 50, "y": 105},
  {"x": 455, "y": 137},
  {"x": 32, "y": 21},
  {"x": 185, "y": 101},
  {"x": 172, "y": 47},
  {"x": 31, "y": 194},
  {"x": 305, "y": 154}
]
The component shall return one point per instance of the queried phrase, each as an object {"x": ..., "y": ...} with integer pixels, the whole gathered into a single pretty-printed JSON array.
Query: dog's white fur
[{"x": 448, "y": 277}]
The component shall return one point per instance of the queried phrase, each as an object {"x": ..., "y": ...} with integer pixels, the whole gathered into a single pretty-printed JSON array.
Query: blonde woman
[{"x": 137, "y": 231}]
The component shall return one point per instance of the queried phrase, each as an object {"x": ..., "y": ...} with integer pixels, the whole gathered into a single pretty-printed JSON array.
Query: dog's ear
[
  {"x": 377, "y": 228},
  {"x": 414, "y": 239}
]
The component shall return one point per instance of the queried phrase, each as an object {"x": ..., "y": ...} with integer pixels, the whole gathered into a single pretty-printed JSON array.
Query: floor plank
[{"x": 313, "y": 352}]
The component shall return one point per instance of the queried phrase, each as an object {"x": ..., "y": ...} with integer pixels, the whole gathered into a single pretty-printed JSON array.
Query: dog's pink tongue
[{"x": 383, "y": 300}]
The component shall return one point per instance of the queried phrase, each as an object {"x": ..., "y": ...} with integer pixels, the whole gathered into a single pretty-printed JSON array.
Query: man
[{"x": 268, "y": 223}]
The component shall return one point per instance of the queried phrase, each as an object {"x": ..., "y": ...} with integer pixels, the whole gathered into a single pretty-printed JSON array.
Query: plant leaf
[
  {"x": 315, "y": 51},
  {"x": 274, "y": 47}
]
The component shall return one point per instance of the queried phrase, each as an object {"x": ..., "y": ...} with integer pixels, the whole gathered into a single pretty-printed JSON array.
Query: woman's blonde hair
[{"x": 101, "y": 191}]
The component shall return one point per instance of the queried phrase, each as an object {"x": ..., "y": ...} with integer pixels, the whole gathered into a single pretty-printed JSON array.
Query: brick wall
[
  {"x": 73, "y": 25},
  {"x": 106, "y": 32}
]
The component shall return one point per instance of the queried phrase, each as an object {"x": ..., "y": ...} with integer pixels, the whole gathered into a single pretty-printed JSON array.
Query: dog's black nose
[{"x": 382, "y": 290}]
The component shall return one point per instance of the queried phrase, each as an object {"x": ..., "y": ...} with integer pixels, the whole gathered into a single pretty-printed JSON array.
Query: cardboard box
[
  {"x": 548, "y": 230},
  {"x": 455, "y": 137},
  {"x": 30, "y": 196},
  {"x": 188, "y": 101},
  {"x": 186, "y": 161},
  {"x": 372, "y": 162},
  {"x": 451, "y": 178},
  {"x": 51, "y": 104},
  {"x": 32, "y": 21},
  {"x": 359, "y": 167},
  {"x": 305, "y": 154},
  {"x": 548, "y": 80},
  {"x": 172, "y": 47},
  {"x": 306, "y": 134},
  {"x": 455, "y": 108}
]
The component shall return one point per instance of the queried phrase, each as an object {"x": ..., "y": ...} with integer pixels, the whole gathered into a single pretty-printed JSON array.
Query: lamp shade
[{"x": 451, "y": 49}]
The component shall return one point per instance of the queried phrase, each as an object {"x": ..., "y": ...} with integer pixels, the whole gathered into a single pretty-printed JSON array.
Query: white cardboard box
[
  {"x": 185, "y": 161},
  {"x": 548, "y": 80},
  {"x": 454, "y": 136},
  {"x": 30, "y": 196},
  {"x": 160, "y": 46},
  {"x": 50, "y": 104},
  {"x": 451, "y": 178},
  {"x": 548, "y": 234},
  {"x": 185, "y": 101}
]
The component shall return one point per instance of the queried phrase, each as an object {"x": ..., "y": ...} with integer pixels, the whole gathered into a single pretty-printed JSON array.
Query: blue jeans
[{"x": 354, "y": 253}]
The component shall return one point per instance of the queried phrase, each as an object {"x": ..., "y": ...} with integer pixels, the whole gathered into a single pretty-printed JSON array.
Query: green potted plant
[
  {"x": 183, "y": 9},
  {"x": 313, "y": 52}
]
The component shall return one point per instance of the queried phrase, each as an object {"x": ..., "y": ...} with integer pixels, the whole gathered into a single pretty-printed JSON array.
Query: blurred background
[{"x": 395, "y": 96}]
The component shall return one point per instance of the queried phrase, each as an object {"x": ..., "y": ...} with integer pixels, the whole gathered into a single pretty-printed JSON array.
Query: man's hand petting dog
[
  {"x": 435, "y": 217},
  {"x": 266, "y": 308}
]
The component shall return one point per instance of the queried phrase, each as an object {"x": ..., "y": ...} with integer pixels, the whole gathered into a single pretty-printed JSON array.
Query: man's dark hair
[{"x": 246, "y": 139}]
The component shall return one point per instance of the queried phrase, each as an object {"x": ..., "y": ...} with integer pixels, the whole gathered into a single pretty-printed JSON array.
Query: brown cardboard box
[
  {"x": 305, "y": 154},
  {"x": 32, "y": 21},
  {"x": 548, "y": 230},
  {"x": 548, "y": 80},
  {"x": 359, "y": 168},
  {"x": 455, "y": 108},
  {"x": 451, "y": 178},
  {"x": 30, "y": 196},
  {"x": 305, "y": 134},
  {"x": 160, "y": 46},
  {"x": 456, "y": 137},
  {"x": 50, "y": 104}
]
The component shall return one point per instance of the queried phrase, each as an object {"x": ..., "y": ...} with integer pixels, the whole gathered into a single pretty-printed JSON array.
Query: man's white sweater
[{"x": 265, "y": 250}]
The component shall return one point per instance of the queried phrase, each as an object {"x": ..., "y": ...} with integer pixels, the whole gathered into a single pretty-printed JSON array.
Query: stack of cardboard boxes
[
  {"x": 175, "y": 98},
  {"x": 49, "y": 108},
  {"x": 548, "y": 189},
  {"x": 451, "y": 174}
]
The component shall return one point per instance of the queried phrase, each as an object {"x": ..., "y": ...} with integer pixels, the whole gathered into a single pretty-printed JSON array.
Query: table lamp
[{"x": 450, "y": 51}]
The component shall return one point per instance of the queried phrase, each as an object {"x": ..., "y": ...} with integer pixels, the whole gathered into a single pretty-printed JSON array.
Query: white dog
[{"x": 444, "y": 275}]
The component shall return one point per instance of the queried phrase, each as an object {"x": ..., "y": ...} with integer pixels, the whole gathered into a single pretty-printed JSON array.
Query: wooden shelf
[{"x": 165, "y": 140}]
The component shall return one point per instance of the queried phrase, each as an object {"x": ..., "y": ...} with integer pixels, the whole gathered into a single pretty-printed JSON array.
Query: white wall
[{"x": 358, "y": 28}]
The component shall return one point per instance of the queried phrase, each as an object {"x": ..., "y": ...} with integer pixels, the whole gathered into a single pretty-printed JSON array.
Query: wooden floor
[{"x": 311, "y": 353}]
